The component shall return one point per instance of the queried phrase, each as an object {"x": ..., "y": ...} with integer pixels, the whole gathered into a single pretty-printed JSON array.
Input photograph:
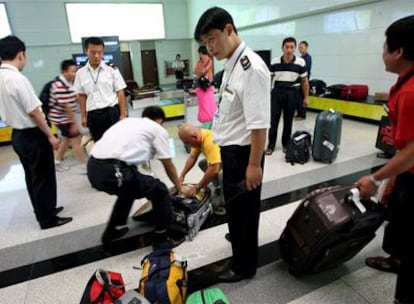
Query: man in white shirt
[
  {"x": 101, "y": 91},
  {"x": 32, "y": 138},
  {"x": 239, "y": 128},
  {"x": 112, "y": 168}
]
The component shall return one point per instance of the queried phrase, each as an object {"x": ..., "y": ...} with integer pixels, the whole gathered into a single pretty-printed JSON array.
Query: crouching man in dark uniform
[{"x": 112, "y": 168}]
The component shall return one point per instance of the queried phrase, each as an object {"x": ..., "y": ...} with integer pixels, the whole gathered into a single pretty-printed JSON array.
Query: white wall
[
  {"x": 43, "y": 26},
  {"x": 352, "y": 55}
]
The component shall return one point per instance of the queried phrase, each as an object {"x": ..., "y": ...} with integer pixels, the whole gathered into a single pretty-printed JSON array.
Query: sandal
[
  {"x": 269, "y": 151},
  {"x": 388, "y": 264}
]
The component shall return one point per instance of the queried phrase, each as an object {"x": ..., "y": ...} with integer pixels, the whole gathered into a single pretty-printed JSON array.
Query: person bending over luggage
[
  {"x": 201, "y": 142},
  {"x": 112, "y": 168}
]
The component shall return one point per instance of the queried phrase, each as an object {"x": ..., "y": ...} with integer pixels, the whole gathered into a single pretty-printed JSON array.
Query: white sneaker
[{"x": 61, "y": 167}]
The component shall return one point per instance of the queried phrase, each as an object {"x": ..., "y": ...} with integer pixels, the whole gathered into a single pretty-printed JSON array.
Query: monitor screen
[
  {"x": 265, "y": 55},
  {"x": 81, "y": 59}
]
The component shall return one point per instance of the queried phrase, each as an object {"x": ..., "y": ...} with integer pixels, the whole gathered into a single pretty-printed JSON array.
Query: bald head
[{"x": 189, "y": 135}]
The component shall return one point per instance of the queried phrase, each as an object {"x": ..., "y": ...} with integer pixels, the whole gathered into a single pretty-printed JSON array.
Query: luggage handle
[{"x": 354, "y": 194}]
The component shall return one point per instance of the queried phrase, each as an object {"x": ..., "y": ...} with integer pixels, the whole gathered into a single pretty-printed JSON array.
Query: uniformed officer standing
[
  {"x": 101, "y": 91},
  {"x": 32, "y": 138},
  {"x": 239, "y": 128}
]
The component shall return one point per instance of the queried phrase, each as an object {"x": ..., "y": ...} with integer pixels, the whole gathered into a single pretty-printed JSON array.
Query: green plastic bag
[{"x": 208, "y": 296}]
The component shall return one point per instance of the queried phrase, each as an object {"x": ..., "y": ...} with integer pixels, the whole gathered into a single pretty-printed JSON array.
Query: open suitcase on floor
[
  {"x": 189, "y": 214},
  {"x": 330, "y": 226}
]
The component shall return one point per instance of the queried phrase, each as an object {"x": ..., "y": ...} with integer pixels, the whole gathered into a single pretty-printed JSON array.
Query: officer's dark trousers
[
  {"x": 101, "y": 120},
  {"x": 243, "y": 212},
  {"x": 283, "y": 100},
  {"x": 404, "y": 220},
  {"x": 133, "y": 185},
  {"x": 36, "y": 156}
]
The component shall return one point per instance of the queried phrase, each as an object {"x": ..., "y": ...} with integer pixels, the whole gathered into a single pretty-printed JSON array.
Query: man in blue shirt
[{"x": 303, "y": 50}]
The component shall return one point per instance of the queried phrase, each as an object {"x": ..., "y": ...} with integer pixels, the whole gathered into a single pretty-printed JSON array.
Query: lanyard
[
  {"x": 97, "y": 76},
  {"x": 223, "y": 87}
]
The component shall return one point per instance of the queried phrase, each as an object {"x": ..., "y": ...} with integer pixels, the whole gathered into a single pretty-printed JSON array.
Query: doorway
[
  {"x": 149, "y": 68},
  {"x": 127, "y": 66}
]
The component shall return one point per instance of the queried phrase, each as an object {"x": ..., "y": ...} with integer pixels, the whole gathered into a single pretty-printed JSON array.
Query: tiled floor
[{"x": 53, "y": 266}]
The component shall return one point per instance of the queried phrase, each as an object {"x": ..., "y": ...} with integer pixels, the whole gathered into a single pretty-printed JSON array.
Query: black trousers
[
  {"x": 404, "y": 231},
  {"x": 132, "y": 185},
  {"x": 101, "y": 120},
  {"x": 243, "y": 212},
  {"x": 282, "y": 100},
  {"x": 300, "y": 108},
  {"x": 36, "y": 156}
]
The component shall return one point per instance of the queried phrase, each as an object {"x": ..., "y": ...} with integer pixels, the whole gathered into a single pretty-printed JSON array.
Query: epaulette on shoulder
[
  {"x": 111, "y": 65},
  {"x": 245, "y": 62}
]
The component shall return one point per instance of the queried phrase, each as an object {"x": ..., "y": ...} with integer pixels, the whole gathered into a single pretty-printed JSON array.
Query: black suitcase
[
  {"x": 327, "y": 136},
  {"x": 329, "y": 227},
  {"x": 298, "y": 148},
  {"x": 189, "y": 214},
  {"x": 334, "y": 91}
]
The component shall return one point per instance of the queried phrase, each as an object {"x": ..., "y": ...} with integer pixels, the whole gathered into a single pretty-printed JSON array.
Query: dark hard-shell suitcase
[
  {"x": 327, "y": 136},
  {"x": 330, "y": 226},
  {"x": 191, "y": 213},
  {"x": 355, "y": 92},
  {"x": 334, "y": 91}
]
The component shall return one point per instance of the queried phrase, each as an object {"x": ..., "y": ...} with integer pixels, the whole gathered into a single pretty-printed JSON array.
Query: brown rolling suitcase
[{"x": 329, "y": 227}]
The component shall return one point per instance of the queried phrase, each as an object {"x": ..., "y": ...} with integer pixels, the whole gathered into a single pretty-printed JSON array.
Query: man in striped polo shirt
[
  {"x": 62, "y": 109},
  {"x": 289, "y": 77}
]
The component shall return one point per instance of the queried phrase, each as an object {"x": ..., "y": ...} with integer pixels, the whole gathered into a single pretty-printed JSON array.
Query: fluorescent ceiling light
[
  {"x": 128, "y": 21},
  {"x": 4, "y": 22}
]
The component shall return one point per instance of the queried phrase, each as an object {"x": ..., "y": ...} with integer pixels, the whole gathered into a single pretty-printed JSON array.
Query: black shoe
[
  {"x": 58, "y": 210},
  {"x": 229, "y": 276},
  {"x": 55, "y": 221},
  {"x": 227, "y": 237},
  {"x": 162, "y": 241},
  {"x": 111, "y": 234}
]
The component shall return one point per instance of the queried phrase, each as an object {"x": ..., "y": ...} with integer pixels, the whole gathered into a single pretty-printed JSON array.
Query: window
[
  {"x": 128, "y": 21},
  {"x": 4, "y": 22}
]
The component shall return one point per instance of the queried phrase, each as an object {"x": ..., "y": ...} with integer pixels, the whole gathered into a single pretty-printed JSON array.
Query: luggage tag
[{"x": 329, "y": 145}]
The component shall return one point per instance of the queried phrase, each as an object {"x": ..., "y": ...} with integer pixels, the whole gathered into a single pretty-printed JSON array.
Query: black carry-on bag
[
  {"x": 330, "y": 226},
  {"x": 384, "y": 141},
  {"x": 327, "y": 136},
  {"x": 189, "y": 213}
]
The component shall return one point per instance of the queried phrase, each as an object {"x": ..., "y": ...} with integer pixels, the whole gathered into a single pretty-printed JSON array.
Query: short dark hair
[
  {"x": 153, "y": 113},
  {"x": 10, "y": 46},
  {"x": 288, "y": 39},
  {"x": 400, "y": 35},
  {"x": 94, "y": 41},
  {"x": 66, "y": 64},
  {"x": 203, "y": 50},
  {"x": 213, "y": 18},
  {"x": 304, "y": 42}
]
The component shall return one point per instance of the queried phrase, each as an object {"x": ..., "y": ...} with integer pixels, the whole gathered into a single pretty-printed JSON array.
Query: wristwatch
[{"x": 374, "y": 180}]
